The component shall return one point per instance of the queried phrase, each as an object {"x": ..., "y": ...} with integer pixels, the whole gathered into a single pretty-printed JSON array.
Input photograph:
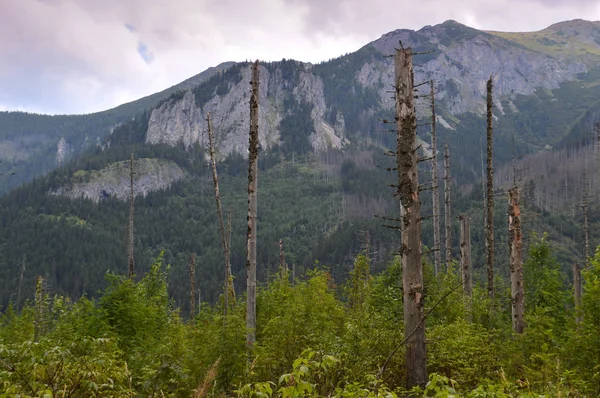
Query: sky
[{"x": 82, "y": 56}]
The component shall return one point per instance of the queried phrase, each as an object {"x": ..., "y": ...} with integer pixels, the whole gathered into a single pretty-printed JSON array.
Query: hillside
[
  {"x": 322, "y": 138},
  {"x": 33, "y": 145}
]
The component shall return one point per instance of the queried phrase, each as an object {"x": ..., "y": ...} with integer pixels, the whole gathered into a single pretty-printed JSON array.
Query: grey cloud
[{"x": 84, "y": 55}]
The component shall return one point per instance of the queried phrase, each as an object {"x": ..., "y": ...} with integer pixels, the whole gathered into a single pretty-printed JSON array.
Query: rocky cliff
[
  {"x": 458, "y": 58},
  {"x": 183, "y": 120},
  {"x": 114, "y": 180}
]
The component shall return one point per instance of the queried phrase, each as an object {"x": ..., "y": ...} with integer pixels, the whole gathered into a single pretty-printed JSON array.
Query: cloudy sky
[{"x": 79, "y": 56}]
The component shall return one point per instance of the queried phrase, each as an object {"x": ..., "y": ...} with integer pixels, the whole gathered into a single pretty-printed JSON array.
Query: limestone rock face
[
  {"x": 183, "y": 121},
  {"x": 458, "y": 58},
  {"x": 113, "y": 180}
]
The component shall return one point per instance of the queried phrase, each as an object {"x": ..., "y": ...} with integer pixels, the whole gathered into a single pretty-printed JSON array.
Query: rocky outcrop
[
  {"x": 461, "y": 61},
  {"x": 113, "y": 180},
  {"x": 62, "y": 151},
  {"x": 182, "y": 121}
]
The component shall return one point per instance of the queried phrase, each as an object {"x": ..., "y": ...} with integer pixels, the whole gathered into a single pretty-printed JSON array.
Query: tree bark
[
  {"x": 515, "y": 241},
  {"x": 130, "y": 260},
  {"x": 586, "y": 230},
  {"x": 577, "y": 289},
  {"x": 489, "y": 230},
  {"x": 224, "y": 242},
  {"x": 21, "y": 281},
  {"x": 252, "y": 207},
  {"x": 408, "y": 193},
  {"x": 447, "y": 215},
  {"x": 282, "y": 264},
  {"x": 435, "y": 194},
  {"x": 465, "y": 254},
  {"x": 192, "y": 286}
]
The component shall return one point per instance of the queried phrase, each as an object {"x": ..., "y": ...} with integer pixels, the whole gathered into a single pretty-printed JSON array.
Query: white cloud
[{"x": 65, "y": 56}]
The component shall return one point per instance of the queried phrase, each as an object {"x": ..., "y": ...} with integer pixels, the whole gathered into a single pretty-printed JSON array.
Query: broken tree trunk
[
  {"x": 21, "y": 281},
  {"x": 410, "y": 223},
  {"x": 435, "y": 194},
  {"x": 515, "y": 241},
  {"x": 489, "y": 227},
  {"x": 130, "y": 261},
  {"x": 577, "y": 288},
  {"x": 192, "y": 286},
  {"x": 252, "y": 207},
  {"x": 282, "y": 264},
  {"x": 465, "y": 254},
  {"x": 447, "y": 207},
  {"x": 227, "y": 289},
  {"x": 586, "y": 230},
  {"x": 228, "y": 260}
]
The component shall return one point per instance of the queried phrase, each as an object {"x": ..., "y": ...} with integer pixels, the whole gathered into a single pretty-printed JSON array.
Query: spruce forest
[{"x": 424, "y": 260}]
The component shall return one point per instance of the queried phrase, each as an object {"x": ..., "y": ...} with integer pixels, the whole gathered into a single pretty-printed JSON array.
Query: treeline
[{"x": 315, "y": 338}]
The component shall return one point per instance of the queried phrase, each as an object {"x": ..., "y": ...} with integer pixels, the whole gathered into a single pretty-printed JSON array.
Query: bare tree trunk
[
  {"x": 252, "y": 207},
  {"x": 408, "y": 192},
  {"x": 228, "y": 260},
  {"x": 282, "y": 264},
  {"x": 515, "y": 240},
  {"x": 130, "y": 260},
  {"x": 192, "y": 286},
  {"x": 483, "y": 193},
  {"x": 465, "y": 254},
  {"x": 489, "y": 229},
  {"x": 586, "y": 230},
  {"x": 577, "y": 288},
  {"x": 447, "y": 214},
  {"x": 21, "y": 281},
  {"x": 435, "y": 194},
  {"x": 224, "y": 241},
  {"x": 40, "y": 307}
]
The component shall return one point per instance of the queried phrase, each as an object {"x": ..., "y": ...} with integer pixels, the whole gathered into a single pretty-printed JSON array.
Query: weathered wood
[
  {"x": 192, "y": 286},
  {"x": 282, "y": 264},
  {"x": 586, "y": 229},
  {"x": 447, "y": 211},
  {"x": 224, "y": 242},
  {"x": 489, "y": 228},
  {"x": 130, "y": 259},
  {"x": 435, "y": 193},
  {"x": 228, "y": 260},
  {"x": 252, "y": 208},
  {"x": 23, "y": 263},
  {"x": 577, "y": 289},
  {"x": 515, "y": 241},
  {"x": 408, "y": 193},
  {"x": 465, "y": 254}
]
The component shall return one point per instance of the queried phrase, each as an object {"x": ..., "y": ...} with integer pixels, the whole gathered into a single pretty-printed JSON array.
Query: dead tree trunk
[
  {"x": 224, "y": 241},
  {"x": 228, "y": 260},
  {"x": 192, "y": 286},
  {"x": 586, "y": 230},
  {"x": 282, "y": 264},
  {"x": 489, "y": 228},
  {"x": 465, "y": 254},
  {"x": 40, "y": 307},
  {"x": 252, "y": 207},
  {"x": 515, "y": 241},
  {"x": 447, "y": 207},
  {"x": 410, "y": 223},
  {"x": 130, "y": 260},
  {"x": 21, "y": 281},
  {"x": 577, "y": 288},
  {"x": 435, "y": 194}
]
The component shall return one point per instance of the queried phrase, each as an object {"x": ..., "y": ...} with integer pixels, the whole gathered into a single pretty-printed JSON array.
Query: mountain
[
  {"x": 322, "y": 138},
  {"x": 32, "y": 145}
]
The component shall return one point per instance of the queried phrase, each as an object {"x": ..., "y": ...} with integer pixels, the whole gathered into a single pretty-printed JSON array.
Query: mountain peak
[{"x": 573, "y": 24}]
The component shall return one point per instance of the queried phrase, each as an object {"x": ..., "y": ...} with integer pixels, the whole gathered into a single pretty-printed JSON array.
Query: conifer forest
[{"x": 424, "y": 260}]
